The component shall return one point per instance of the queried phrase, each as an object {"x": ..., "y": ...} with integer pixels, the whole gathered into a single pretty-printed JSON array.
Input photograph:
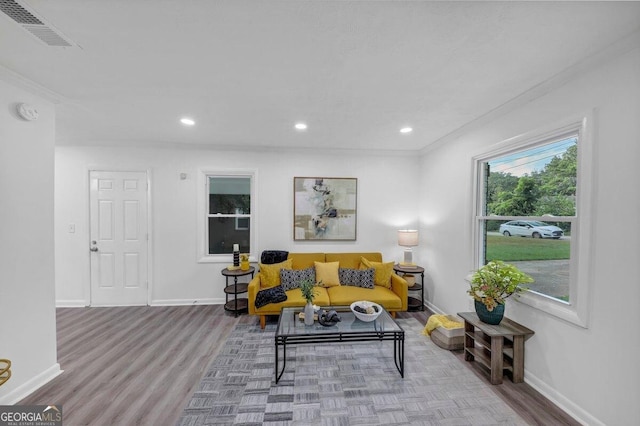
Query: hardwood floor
[
  {"x": 140, "y": 365},
  {"x": 534, "y": 408},
  {"x": 132, "y": 365}
]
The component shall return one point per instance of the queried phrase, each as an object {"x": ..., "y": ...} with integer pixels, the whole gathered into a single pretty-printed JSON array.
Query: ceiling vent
[{"x": 36, "y": 26}]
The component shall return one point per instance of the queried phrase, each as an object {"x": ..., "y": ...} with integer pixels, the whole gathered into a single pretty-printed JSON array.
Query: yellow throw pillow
[
  {"x": 383, "y": 271},
  {"x": 270, "y": 274},
  {"x": 327, "y": 274}
]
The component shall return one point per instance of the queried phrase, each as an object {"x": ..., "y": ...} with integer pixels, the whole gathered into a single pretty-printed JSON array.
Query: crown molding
[
  {"x": 141, "y": 144},
  {"x": 31, "y": 86},
  {"x": 614, "y": 50}
]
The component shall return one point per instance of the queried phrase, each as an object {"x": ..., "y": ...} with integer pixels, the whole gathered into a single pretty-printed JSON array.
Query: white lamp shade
[{"x": 408, "y": 238}]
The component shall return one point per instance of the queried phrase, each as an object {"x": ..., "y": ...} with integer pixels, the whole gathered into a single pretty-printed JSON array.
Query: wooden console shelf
[{"x": 497, "y": 347}]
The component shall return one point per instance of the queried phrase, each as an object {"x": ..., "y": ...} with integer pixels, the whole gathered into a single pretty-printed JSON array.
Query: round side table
[
  {"x": 413, "y": 303},
  {"x": 236, "y": 305}
]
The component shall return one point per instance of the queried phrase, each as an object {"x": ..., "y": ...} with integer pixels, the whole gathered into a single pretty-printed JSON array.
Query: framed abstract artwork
[{"x": 324, "y": 208}]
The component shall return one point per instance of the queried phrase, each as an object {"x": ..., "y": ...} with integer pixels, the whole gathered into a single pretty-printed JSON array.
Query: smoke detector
[
  {"x": 28, "y": 19},
  {"x": 27, "y": 112}
]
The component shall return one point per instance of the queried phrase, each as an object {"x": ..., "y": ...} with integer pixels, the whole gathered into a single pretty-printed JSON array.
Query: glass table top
[{"x": 290, "y": 324}]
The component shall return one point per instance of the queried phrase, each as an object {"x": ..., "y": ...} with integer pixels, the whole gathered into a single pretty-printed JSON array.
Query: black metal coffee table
[{"x": 292, "y": 331}]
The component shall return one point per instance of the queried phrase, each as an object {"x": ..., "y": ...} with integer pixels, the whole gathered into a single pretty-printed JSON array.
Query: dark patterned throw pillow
[
  {"x": 291, "y": 278},
  {"x": 357, "y": 277},
  {"x": 269, "y": 257},
  {"x": 270, "y": 295}
]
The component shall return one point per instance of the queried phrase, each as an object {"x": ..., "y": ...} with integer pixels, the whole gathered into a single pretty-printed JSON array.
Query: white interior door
[{"x": 119, "y": 238}]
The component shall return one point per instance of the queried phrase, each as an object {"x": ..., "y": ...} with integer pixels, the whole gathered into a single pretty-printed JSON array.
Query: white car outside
[{"x": 530, "y": 228}]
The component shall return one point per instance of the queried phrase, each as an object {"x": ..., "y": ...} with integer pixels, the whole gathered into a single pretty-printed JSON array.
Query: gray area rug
[{"x": 336, "y": 384}]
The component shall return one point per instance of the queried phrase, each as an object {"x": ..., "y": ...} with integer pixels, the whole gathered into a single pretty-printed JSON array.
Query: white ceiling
[{"x": 246, "y": 71}]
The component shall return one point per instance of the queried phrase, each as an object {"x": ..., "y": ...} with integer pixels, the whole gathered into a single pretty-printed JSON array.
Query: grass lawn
[{"x": 519, "y": 248}]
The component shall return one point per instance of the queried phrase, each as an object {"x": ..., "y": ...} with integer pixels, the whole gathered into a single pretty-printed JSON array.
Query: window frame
[
  {"x": 203, "y": 255},
  {"x": 580, "y": 271}
]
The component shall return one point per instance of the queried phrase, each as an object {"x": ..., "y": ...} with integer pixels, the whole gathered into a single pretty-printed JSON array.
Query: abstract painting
[{"x": 324, "y": 208}]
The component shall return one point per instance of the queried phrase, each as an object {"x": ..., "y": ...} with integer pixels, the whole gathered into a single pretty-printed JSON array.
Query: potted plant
[
  {"x": 491, "y": 285},
  {"x": 244, "y": 261},
  {"x": 308, "y": 290}
]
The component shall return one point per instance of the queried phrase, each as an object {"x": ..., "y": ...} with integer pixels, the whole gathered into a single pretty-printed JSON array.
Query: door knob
[{"x": 94, "y": 249}]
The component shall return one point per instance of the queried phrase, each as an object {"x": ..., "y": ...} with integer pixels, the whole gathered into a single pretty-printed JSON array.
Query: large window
[
  {"x": 534, "y": 191},
  {"x": 528, "y": 214},
  {"x": 227, "y": 207}
]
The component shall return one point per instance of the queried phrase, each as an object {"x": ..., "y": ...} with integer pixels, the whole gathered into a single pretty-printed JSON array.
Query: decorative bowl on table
[{"x": 366, "y": 311}]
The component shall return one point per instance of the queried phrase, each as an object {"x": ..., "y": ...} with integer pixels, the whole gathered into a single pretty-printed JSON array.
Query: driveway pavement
[{"x": 551, "y": 276}]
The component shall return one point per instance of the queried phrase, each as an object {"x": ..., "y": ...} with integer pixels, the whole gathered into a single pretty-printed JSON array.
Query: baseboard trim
[
  {"x": 433, "y": 308},
  {"x": 159, "y": 302},
  {"x": 32, "y": 385},
  {"x": 183, "y": 302},
  {"x": 71, "y": 303},
  {"x": 566, "y": 405}
]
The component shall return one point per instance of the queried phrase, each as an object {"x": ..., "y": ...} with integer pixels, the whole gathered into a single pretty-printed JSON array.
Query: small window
[
  {"x": 229, "y": 214},
  {"x": 226, "y": 209}
]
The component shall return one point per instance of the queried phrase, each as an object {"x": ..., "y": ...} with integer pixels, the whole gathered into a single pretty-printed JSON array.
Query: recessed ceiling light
[
  {"x": 406, "y": 130},
  {"x": 187, "y": 121},
  {"x": 300, "y": 126}
]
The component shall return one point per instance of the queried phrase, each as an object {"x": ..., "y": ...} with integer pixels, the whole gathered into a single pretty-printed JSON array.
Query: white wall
[
  {"x": 387, "y": 188},
  {"x": 27, "y": 302},
  {"x": 591, "y": 372}
]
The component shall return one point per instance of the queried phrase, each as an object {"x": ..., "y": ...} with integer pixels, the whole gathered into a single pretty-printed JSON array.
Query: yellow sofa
[{"x": 393, "y": 299}]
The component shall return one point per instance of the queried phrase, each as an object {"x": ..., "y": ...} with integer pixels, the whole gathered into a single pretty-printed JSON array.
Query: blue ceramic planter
[{"x": 494, "y": 317}]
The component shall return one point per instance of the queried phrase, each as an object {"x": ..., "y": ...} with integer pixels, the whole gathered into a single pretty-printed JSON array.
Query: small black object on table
[
  {"x": 329, "y": 318},
  {"x": 237, "y": 305}
]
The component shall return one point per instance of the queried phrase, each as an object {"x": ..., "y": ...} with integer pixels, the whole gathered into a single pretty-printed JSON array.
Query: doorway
[{"x": 119, "y": 239}]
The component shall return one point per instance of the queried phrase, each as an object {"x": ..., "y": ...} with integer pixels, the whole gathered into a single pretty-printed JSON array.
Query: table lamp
[{"x": 408, "y": 238}]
